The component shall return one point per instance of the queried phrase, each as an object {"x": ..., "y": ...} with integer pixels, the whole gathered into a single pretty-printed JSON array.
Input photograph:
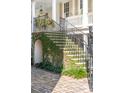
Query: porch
[{"x": 77, "y": 20}]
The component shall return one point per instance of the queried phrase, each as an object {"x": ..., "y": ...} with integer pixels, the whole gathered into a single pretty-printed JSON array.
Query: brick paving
[{"x": 47, "y": 82}]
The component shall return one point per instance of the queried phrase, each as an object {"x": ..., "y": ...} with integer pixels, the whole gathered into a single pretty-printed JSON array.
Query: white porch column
[
  {"x": 85, "y": 22},
  {"x": 85, "y": 13},
  {"x": 85, "y": 37},
  {"x": 54, "y": 10},
  {"x": 62, "y": 9},
  {"x": 73, "y": 7},
  {"x": 79, "y": 11},
  {"x": 33, "y": 14}
]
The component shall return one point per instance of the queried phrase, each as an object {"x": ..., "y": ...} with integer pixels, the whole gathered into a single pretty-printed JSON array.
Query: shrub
[
  {"x": 50, "y": 67},
  {"x": 75, "y": 72}
]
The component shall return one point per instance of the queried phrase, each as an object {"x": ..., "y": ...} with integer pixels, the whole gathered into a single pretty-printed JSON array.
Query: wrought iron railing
[
  {"x": 90, "y": 62},
  {"x": 76, "y": 35}
]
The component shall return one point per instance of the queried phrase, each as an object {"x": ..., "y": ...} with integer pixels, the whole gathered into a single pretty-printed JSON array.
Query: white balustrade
[
  {"x": 90, "y": 18},
  {"x": 75, "y": 20}
]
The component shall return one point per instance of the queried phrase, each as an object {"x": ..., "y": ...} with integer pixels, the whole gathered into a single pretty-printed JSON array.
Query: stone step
[
  {"x": 57, "y": 37},
  {"x": 81, "y": 63},
  {"x": 61, "y": 39},
  {"x": 76, "y": 55},
  {"x": 71, "y": 49},
  {"x": 67, "y": 45},
  {"x": 57, "y": 32},
  {"x": 82, "y": 60},
  {"x": 73, "y": 52},
  {"x": 63, "y": 42},
  {"x": 54, "y": 33}
]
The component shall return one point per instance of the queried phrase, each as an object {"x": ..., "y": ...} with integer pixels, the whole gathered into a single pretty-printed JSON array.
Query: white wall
[
  {"x": 38, "y": 52},
  {"x": 46, "y": 5}
]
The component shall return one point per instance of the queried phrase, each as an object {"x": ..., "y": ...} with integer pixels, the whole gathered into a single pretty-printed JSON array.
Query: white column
[
  {"x": 79, "y": 11},
  {"x": 54, "y": 10},
  {"x": 85, "y": 37},
  {"x": 62, "y": 9},
  {"x": 85, "y": 22},
  {"x": 85, "y": 13},
  {"x": 73, "y": 7},
  {"x": 33, "y": 14}
]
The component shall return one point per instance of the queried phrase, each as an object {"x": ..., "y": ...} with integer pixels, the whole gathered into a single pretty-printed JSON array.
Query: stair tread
[
  {"x": 71, "y": 49},
  {"x": 75, "y": 54},
  {"x": 63, "y": 42},
  {"x": 73, "y": 45}
]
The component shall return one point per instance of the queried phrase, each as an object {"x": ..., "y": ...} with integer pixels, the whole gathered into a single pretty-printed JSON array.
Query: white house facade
[
  {"x": 67, "y": 26},
  {"x": 77, "y": 12}
]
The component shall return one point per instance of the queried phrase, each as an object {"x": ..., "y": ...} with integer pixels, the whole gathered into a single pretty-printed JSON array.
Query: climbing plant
[{"x": 51, "y": 52}]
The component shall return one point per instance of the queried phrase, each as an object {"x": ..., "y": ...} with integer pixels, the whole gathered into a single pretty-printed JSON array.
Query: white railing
[
  {"x": 75, "y": 20},
  {"x": 90, "y": 18}
]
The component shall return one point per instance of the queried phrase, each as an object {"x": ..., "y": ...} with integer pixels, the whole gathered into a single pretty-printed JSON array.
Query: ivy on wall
[{"x": 52, "y": 55}]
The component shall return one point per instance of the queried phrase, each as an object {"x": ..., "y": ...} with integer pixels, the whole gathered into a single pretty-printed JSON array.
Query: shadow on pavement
[{"x": 43, "y": 81}]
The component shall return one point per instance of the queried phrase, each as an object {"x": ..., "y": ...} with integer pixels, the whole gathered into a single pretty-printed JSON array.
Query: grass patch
[{"x": 75, "y": 73}]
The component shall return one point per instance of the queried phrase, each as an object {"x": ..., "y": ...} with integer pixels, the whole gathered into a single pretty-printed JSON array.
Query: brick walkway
[{"x": 47, "y": 82}]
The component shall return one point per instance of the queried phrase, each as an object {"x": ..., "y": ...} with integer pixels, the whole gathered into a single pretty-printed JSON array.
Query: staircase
[
  {"x": 64, "y": 36},
  {"x": 72, "y": 52}
]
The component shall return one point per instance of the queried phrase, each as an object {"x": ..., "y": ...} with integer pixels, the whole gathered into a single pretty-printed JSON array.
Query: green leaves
[
  {"x": 40, "y": 22},
  {"x": 50, "y": 67},
  {"x": 75, "y": 72}
]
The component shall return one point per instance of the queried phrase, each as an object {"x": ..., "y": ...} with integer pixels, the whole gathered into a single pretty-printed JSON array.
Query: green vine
[{"x": 49, "y": 48}]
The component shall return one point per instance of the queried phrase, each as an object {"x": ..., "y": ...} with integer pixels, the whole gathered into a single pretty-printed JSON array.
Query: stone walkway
[{"x": 47, "y": 82}]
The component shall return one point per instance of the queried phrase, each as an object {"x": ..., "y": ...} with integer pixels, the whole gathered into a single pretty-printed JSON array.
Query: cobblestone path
[{"x": 47, "y": 82}]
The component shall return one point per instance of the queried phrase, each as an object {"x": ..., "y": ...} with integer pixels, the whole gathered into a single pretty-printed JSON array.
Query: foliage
[
  {"x": 75, "y": 72},
  {"x": 49, "y": 48},
  {"x": 50, "y": 67},
  {"x": 43, "y": 22}
]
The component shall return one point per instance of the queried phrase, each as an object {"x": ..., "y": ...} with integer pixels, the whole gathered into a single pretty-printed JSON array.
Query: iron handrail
[{"x": 74, "y": 32}]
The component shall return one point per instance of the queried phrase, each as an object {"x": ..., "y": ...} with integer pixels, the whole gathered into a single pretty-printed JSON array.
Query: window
[
  {"x": 81, "y": 6},
  {"x": 66, "y": 9}
]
